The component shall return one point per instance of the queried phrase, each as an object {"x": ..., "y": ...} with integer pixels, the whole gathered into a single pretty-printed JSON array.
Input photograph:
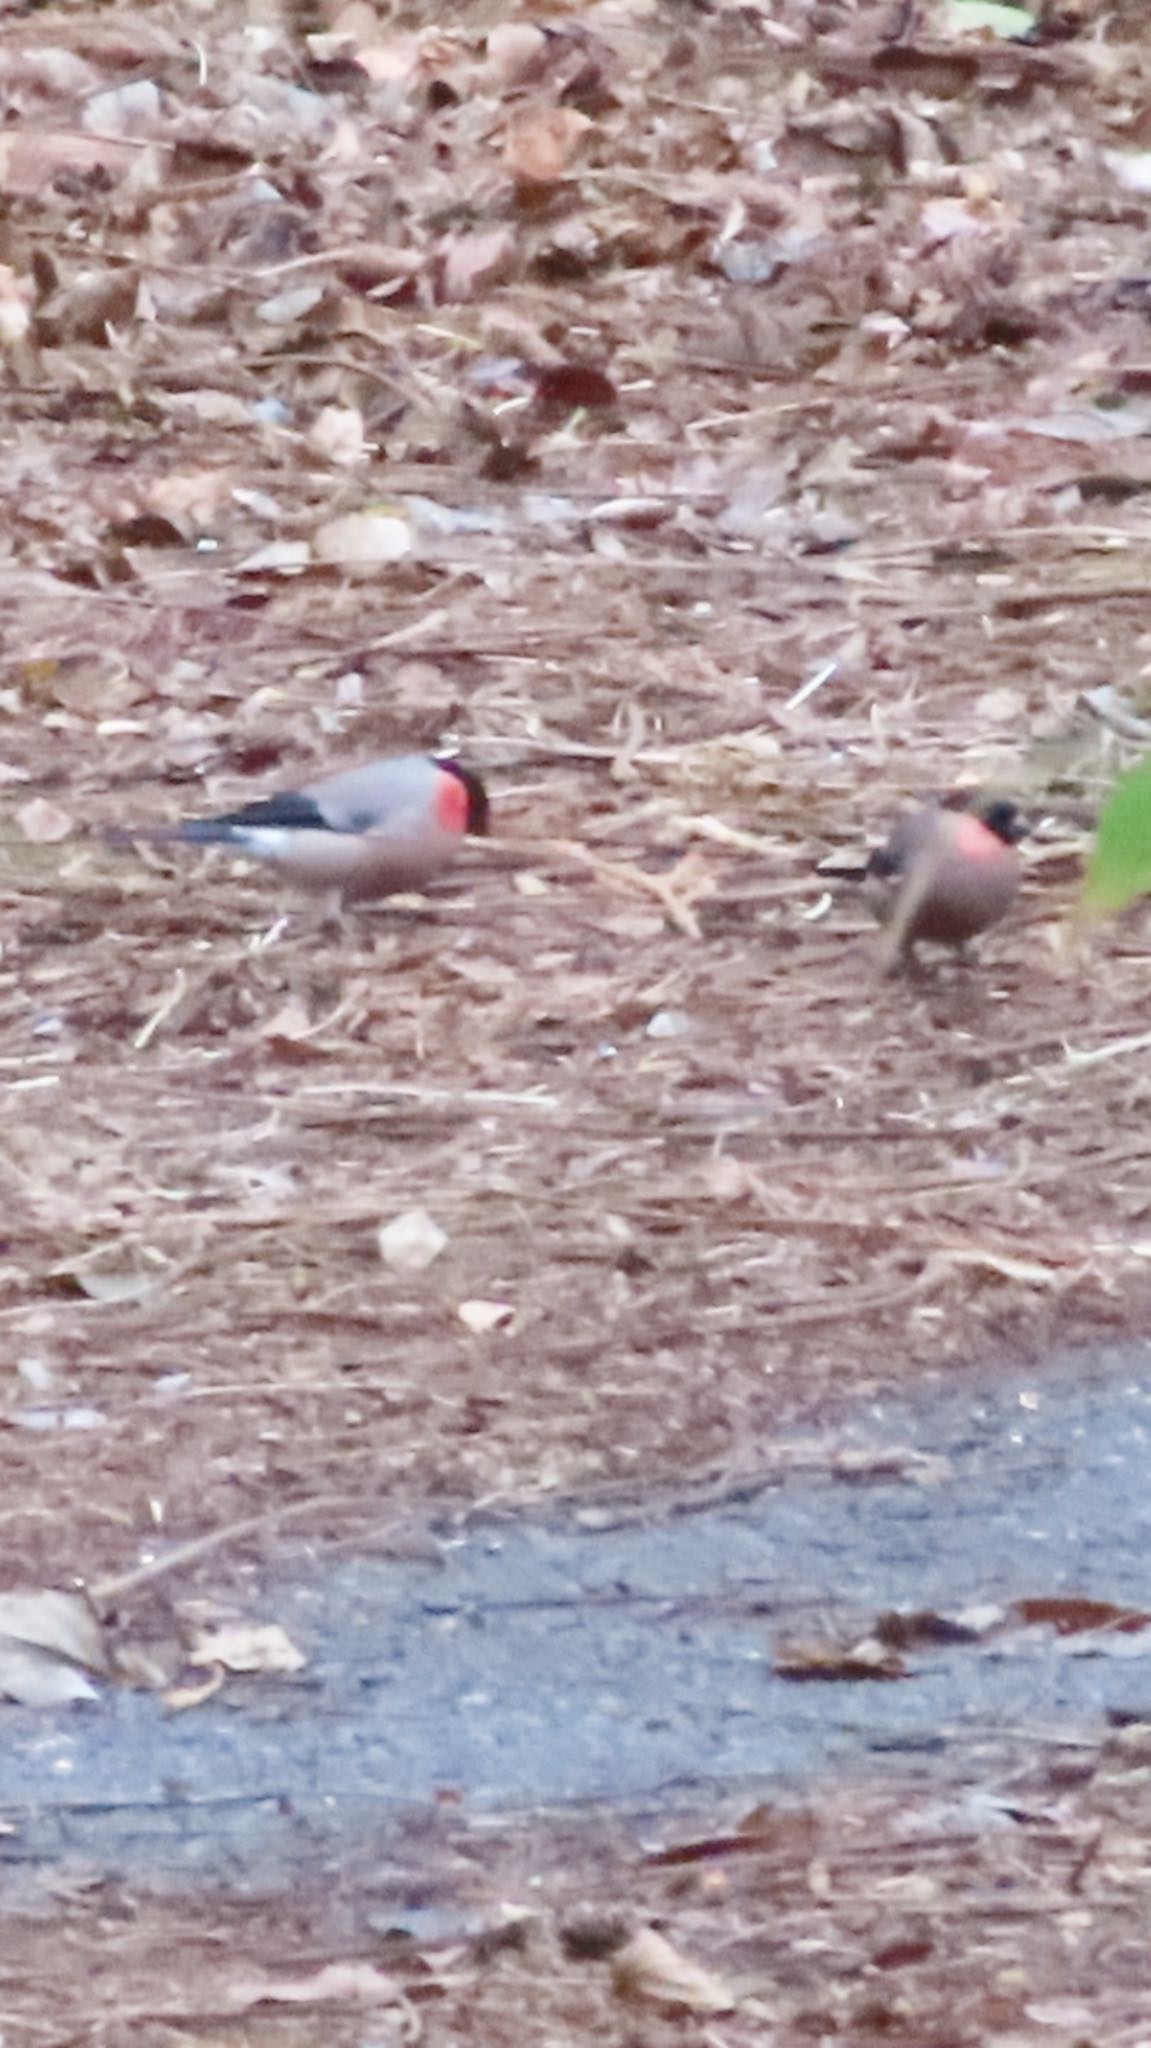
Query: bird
[
  {"x": 944, "y": 875},
  {"x": 366, "y": 832}
]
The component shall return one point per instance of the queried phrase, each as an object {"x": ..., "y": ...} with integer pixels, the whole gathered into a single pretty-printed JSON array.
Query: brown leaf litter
[{"x": 704, "y": 399}]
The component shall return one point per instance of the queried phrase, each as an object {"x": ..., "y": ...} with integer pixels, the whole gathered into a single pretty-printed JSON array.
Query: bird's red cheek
[{"x": 451, "y": 804}]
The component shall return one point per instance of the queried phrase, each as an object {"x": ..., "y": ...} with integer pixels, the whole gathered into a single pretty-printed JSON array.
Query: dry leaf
[
  {"x": 517, "y": 53},
  {"x": 31, "y": 159},
  {"x": 131, "y": 109},
  {"x": 1029, "y": 1272},
  {"x": 36, "y": 1678},
  {"x": 540, "y": 143},
  {"x": 837, "y": 1662},
  {"x": 291, "y": 1035},
  {"x": 17, "y": 298},
  {"x": 364, "y": 540},
  {"x": 574, "y": 384},
  {"x": 280, "y": 557},
  {"x": 468, "y": 263},
  {"x": 337, "y": 434},
  {"x": 648, "y": 1968},
  {"x": 395, "y": 62},
  {"x": 42, "y": 823},
  {"x": 726, "y": 1179},
  {"x": 86, "y": 682},
  {"x": 192, "y": 497},
  {"x": 63, "y": 1622},
  {"x": 112, "y": 1273},
  {"x": 180, "y": 1699},
  {"x": 284, "y": 308},
  {"x": 48, "y": 1642},
  {"x": 347, "y": 1983},
  {"x": 1132, "y": 168},
  {"x": 248, "y": 1646},
  {"x": 1070, "y": 1613},
  {"x": 481, "y": 1317},
  {"x": 410, "y": 1242}
]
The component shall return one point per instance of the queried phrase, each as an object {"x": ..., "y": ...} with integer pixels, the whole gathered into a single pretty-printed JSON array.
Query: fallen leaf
[
  {"x": 42, "y": 823},
  {"x": 1068, "y": 1613},
  {"x": 470, "y": 263},
  {"x": 280, "y": 557},
  {"x": 909, "y": 1630},
  {"x": 112, "y": 1273},
  {"x": 648, "y": 1969},
  {"x": 49, "y": 1641},
  {"x": 1072, "y": 2016},
  {"x": 539, "y": 143},
  {"x": 180, "y": 1699},
  {"x": 248, "y": 1646},
  {"x": 45, "y": 1419},
  {"x": 86, "y": 683},
  {"x": 17, "y": 298},
  {"x": 517, "y": 53},
  {"x": 291, "y": 1035},
  {"x": 337, "y": 434},
  {"x": 131, "y": 109},
  {"x": 32, "y": 159},
  {"x": 284, "y": 308},
  {"x": 195, "y": 497},
  {"x": 481, "y": 1317},
  {"x": 1029, "y": 1272},
  {"x": 410, "y": 1242},
  {"x": 574, "y": 384},
  {"x": 1131, "y": 167},
  {"x": 347, "y": 1983},
  {"x": 828, "y": 1661},
  {"x": 364, "y": 540},
  {"x": 35, "y": 1678}
]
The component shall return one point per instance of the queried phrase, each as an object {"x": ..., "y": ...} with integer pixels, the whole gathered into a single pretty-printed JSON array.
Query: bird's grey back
[{"x": 378, "y": 794}]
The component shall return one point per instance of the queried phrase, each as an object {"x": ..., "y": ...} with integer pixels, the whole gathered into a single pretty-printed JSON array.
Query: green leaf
[
  {"x": 962, "y": 17},
  {"x": 1119, "y": 869}
]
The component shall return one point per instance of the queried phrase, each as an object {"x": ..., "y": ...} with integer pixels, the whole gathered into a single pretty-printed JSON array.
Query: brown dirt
[
  {"x": 908, "y": 462},
  {"x": 866, "y": 1917}
]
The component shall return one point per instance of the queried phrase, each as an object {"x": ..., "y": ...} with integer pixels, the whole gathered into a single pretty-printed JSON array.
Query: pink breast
[{"x": 974, "y": 841}]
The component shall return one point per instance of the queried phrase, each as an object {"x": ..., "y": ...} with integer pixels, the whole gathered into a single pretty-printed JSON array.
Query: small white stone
[
  {"x": 669, "y": 1024},
  {"x": 482, "y": 1317}
]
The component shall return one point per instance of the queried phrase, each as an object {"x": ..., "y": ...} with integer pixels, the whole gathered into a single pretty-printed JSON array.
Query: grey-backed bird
[{"x": 366, "y": 832}]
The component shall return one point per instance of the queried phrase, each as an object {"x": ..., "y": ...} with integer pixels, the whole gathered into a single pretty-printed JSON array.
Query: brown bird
[{"x": 944, "y": 876}]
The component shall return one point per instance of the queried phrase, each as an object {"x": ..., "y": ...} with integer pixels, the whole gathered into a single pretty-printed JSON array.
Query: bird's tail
[
  {"x": 193, "y": 832},
  {"x": 836, "y": 869}
]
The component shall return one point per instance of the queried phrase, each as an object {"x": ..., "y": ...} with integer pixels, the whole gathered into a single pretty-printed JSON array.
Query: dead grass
[{"x": 812, "y": 545}]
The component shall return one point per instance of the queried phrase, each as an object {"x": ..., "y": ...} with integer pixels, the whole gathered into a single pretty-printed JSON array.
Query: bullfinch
[
  {"x": 945, "y": 875},
  {"x": 389, "y": 826}
]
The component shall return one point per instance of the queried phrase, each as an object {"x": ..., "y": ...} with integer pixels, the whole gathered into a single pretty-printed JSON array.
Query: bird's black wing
[{"x": 290, "y": 811}]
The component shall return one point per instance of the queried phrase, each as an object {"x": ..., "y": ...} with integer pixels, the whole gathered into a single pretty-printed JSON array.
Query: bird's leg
[
  {"x": 332, "y": 914},
  {"x": 901, "y": 960}
]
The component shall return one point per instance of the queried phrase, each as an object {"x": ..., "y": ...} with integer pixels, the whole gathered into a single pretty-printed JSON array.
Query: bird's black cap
[{"x": 1002, "y": 817}]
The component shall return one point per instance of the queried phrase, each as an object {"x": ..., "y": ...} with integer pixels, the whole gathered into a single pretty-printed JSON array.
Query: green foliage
[
  {"x": 1008, "y": 23},
  {"x": 1119, "y": 869}
]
